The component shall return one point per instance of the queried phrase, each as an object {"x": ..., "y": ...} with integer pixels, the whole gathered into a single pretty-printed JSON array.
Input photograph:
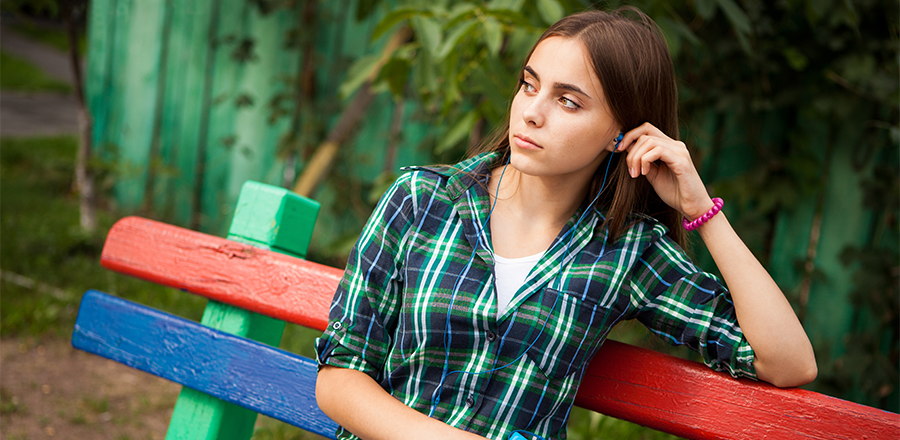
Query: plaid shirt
[{"x": 413, "y": 270}]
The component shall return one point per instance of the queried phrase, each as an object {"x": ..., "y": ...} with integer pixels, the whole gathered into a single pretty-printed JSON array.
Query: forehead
[{"x": 565, "y": 61}]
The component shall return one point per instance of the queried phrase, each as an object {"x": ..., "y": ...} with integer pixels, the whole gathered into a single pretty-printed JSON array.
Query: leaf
[
  {"x": 454, "y": 38},
  {"x": 816, "y": 9},
  {"x": 509, "y": 17},
  {"x": 428, "y": 32},
  {"x": 395, "y": 72},
  {"x": 365, "y": 9},
  {"x": 795, "y": 58},
  {"x": 455, "y": 134},
  {"x": 705, "y": 8},
  {"x": 670, "y": 32},
  {"x": 735, "y": 16},
  {"x": 493, "y": 35},
  {"x": 360, "y": 71},
  {"x": 894, "y": 132},
  {"x": 497, "y": 95},
  {"x": 512, "y": 5},
  {"x": 392, "y": 18},
  {"x": 551, "y": 11},
  {"x": 460, "y": 13},
  {"x": 426, "y": 75}
]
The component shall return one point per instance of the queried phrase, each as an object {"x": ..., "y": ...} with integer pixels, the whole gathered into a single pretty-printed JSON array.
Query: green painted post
[{"x": 267, "y": 217}]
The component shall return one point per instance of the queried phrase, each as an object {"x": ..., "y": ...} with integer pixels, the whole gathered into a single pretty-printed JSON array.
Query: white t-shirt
[{"x": 510, "y": 274}]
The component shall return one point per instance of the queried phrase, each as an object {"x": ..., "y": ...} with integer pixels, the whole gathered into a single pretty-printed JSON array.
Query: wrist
[
  {"x": 700, "y": 220},
  {"x": 699, "y": 210}
]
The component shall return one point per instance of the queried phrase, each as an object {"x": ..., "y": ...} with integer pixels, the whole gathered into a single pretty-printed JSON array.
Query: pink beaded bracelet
[{"x": 696, "y": 223}]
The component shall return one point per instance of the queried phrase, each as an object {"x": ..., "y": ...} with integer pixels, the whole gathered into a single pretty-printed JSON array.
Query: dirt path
[
  {"x": 37, "y": 114},
  {"x": 50, "y": 390}
]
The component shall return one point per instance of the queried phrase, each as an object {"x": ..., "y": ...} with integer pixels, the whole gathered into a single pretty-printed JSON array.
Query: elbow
[
  {"x": 796, "y": 376},
  {"x": 808, "y": 374},
  {"x": 787, "y": 372}
]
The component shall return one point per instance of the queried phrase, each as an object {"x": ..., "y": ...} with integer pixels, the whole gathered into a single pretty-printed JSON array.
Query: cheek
[{"x": 515, "y": 109}]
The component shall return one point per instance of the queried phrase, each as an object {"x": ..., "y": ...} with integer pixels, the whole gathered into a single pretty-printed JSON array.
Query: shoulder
[
  {"x": 448, "y": 180},
  {"x": 643, "y": 228}
]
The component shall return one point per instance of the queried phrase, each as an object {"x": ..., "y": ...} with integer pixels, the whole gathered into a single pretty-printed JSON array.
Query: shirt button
[
  {"x": 336, "y": 326},
  {"x": 470, "y": 402},
  {"x": 491, "y": 336}
]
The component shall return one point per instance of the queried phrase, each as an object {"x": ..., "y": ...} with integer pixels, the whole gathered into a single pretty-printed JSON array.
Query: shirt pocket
[{"x": 565, "y": 331}]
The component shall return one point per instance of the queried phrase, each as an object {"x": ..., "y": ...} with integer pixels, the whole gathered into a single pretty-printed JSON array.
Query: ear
[{"x": 618, "y": 141}]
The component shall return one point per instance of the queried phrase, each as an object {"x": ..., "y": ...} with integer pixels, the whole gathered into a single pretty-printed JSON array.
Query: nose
[{"x": 534, "y": 112}]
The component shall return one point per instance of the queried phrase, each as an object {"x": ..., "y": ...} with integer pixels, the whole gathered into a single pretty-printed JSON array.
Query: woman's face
[{"x": 560, "y": 124}]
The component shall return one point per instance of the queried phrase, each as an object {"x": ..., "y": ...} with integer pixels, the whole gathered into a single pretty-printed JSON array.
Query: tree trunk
[
  {"x": 84, "y": 177},
  {"x": 323, "y": 157}
]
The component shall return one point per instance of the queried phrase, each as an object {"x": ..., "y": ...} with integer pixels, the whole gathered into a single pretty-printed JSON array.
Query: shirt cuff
[{"x": 330, "y": 350}]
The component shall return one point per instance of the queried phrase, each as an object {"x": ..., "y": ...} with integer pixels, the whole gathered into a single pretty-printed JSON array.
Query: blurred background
[{"x": 163, "y": 109}]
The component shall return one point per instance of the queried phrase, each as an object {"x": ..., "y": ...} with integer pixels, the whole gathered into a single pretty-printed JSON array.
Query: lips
[{"x": 526, "y": 142}]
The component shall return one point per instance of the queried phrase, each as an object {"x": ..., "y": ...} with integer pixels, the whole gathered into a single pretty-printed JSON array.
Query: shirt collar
[{"x": 462, "y": 176}]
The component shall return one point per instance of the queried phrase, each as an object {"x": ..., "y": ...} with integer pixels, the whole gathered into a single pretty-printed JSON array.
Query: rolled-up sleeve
[
  {"x": 366, "y": 304},
  {"x": 686, "y": 306}
]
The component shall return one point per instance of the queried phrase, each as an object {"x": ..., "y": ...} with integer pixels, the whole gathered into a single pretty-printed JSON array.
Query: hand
[{"x": 668, "y": 167}]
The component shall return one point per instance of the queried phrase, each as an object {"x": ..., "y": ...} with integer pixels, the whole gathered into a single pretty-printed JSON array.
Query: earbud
[{"x": 619, "y": 140}]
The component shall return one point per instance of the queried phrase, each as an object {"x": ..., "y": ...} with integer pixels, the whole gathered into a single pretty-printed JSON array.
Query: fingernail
[{"x": 631, "y": 172}]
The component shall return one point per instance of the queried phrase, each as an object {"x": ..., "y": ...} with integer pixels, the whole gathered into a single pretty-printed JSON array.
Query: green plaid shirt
[{"x": 415, "y": 308}]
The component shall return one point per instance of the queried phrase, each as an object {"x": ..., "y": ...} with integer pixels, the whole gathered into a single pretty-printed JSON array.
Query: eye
[
  {"x": 568, "y": 103},
  {"x": 526, "y": 86}
]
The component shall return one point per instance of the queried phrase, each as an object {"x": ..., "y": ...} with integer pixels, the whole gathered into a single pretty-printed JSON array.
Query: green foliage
[
  {"x": 589, "y": 425},
  {"x": 19, "y": 75},
  {"x": 46, "y": 8},
  {"x": 873, "y": 345},
  {"x": 463, "y": 63},
  {"x": 820, "y": 83}
]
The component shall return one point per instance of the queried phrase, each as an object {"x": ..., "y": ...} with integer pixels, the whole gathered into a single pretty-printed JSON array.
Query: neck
[{"x": 545, "y": 201}]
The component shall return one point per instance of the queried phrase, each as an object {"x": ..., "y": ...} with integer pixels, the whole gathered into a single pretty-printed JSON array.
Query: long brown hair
[{"x": 631, "y": 59}]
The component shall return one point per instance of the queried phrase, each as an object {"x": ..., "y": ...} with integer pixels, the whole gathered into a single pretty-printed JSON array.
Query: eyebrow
[{"x": 565, "y": 86}]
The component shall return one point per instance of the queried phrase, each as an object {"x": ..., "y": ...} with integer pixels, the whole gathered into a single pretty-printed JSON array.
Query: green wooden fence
[{"x": 183, "y": 96}]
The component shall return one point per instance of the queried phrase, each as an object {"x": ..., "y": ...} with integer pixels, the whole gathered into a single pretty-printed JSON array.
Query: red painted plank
[
  {"x": 261, "y": 281},
  {"x": 688, "y": 399},
  {"x": 664, "y": 392}
]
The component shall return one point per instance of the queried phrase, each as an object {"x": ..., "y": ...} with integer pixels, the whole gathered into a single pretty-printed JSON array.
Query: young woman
[{"x": 477, "y": 293}]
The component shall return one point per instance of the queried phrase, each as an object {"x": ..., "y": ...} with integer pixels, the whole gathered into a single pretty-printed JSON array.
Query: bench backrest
[{"x": 663, "y": 392}]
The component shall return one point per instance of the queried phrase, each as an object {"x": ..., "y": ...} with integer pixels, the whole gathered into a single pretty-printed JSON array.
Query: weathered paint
[
  {"x": 656, "y": 390},
  {"x": 263, "y": 379},
  {"x": 267, "y": 217},
  {"x": 688, "y": 399},
  {"x": 262, "y": 281}
]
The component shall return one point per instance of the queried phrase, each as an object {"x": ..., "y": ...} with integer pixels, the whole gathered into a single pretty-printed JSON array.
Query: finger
[
  {"x": 653, "y": 154},
  {"x": 631, "y": 136},
  {"x": 641, "y": 147},
  {"x": 635, "y": 152}
]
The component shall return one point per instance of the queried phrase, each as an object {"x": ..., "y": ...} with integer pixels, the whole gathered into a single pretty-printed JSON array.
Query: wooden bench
[{"x": 256, "y": 275}]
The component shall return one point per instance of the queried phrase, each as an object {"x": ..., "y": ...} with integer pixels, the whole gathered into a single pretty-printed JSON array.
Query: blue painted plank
[{"x": 264, "y": 379}]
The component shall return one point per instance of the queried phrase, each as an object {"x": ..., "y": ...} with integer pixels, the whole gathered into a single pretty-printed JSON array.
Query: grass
[
  {"x": 41, "y": 242},
  {"x": 17, "y": 74},
  {"x": 47, "y": 262}
]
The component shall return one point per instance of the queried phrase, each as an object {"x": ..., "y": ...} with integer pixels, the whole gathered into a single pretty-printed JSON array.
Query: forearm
[
  {"x": 784, "y": 355},
  {"x": 355, "y": 401}
]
